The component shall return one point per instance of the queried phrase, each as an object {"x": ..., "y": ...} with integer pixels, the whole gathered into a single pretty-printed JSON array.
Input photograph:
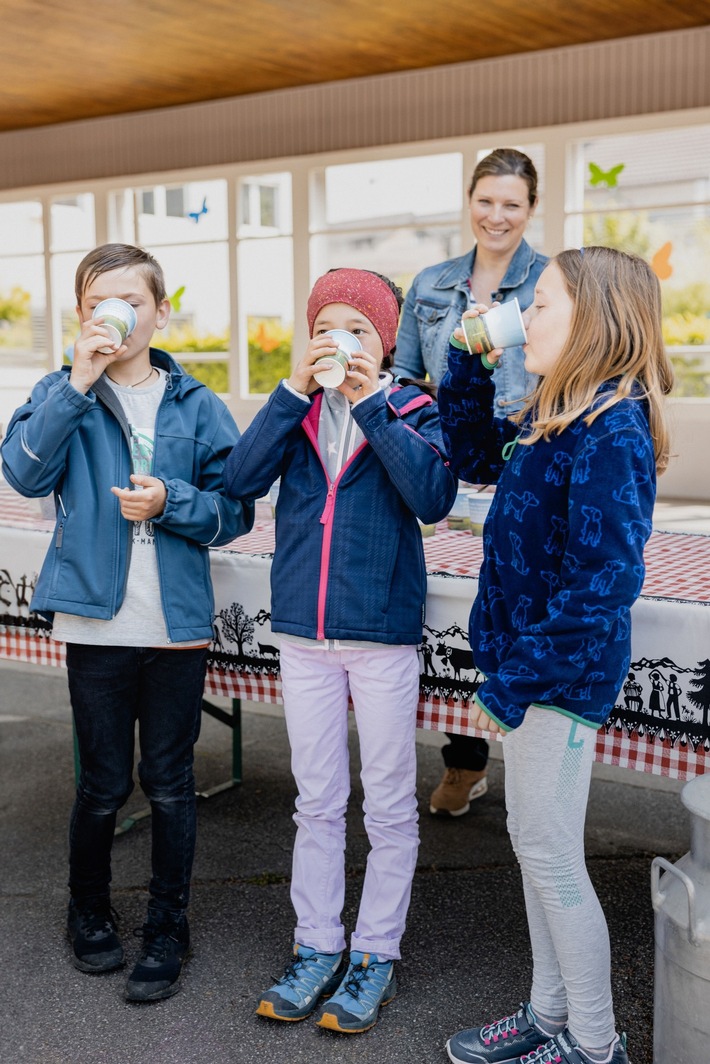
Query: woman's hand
[
  {"x": 89, "y": 363},
  {"x": 302, "y": 377},
  {"x": 478, "y": 718},
  {"x": 363, "y": 376}
]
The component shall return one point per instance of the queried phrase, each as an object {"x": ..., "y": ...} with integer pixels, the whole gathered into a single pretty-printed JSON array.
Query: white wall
[{"x": 688, "y": 475}]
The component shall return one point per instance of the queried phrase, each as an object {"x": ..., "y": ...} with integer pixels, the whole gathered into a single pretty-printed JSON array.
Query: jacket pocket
[{"x": 430, "y": 313}]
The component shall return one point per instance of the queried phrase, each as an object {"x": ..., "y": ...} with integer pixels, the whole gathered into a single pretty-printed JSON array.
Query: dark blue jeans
[
  {"x": 111, "y": 688},
  {"x": 465, "y": 751}
]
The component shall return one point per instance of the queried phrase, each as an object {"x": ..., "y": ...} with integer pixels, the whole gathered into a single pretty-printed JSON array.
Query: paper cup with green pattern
[
  {"x": 348, "y": 345},
  {"x": 119, "y": 321},
  {"x": 501, "y": 326}
]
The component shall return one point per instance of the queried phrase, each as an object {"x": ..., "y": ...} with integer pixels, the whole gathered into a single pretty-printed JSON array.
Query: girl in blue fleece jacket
[
  {"x": 550, "y": 627},
  {"x": 358, "y": 463}
]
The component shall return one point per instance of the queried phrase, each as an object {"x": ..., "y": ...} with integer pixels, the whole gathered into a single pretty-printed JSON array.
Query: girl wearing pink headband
[{"x": 358, "y": 464}]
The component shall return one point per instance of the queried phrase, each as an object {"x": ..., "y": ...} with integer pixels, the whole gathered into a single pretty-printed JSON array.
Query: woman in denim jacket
[{"x": 501, "y": 266}]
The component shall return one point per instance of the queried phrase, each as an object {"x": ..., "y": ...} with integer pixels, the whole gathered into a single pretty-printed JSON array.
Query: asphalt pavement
[{"x": 466, "y": 955}]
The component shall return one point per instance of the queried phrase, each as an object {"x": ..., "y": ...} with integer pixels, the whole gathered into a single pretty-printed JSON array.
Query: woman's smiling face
[{"x": 499, "y": 209}]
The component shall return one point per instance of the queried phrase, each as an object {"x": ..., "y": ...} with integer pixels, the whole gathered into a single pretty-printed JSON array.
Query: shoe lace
[
  {"x": 491, "y": 1032},
  {"x": 548, "y": 1053},
  {"x": 452, "y": 775},
  {"x": 156, "y": 942},
  {"x": 290, "y": 975},
  {"x": 358, "y": 976},
  {"x": 97, "y": 918}
]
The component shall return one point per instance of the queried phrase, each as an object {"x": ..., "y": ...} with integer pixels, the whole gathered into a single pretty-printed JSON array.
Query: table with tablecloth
[{"x": 660, "y": 722}]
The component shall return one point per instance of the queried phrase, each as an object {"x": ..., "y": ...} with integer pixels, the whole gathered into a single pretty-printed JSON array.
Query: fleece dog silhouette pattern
[{"x": 563, "y": 546}]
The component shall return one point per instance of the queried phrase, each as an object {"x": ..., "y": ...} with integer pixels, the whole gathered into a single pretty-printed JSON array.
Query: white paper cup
[
  {"x": 478, "y": 506},
  {"x": 500, "y": 326},
  {"x": 274, "y": 495},
  {"x": 457, "y": 517},
  {"x": 348, "y": 345},
  {"x": 119, "y": 321}
]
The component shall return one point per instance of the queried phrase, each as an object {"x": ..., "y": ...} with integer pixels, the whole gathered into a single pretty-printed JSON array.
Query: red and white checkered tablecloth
[
  {"x": 671, "y": 624},
  {"x": 677, "y": 564}
]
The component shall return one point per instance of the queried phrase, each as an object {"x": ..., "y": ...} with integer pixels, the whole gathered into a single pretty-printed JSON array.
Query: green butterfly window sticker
[
  {"x": 597, "y": 176},
  {"x": 175, "y": 300}
]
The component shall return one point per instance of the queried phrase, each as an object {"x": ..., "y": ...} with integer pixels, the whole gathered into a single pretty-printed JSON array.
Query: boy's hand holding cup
[{"x": 102, "y": 339}]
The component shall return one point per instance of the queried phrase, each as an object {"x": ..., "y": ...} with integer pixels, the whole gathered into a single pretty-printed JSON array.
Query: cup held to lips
[
  {"x": 501, "y": 326},
  {"x": 348, "y": 345},
  {"x": 119, "y": 321}
]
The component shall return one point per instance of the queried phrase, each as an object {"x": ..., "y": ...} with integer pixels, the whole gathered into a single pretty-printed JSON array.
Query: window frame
[{"x": 308, "y": 210}]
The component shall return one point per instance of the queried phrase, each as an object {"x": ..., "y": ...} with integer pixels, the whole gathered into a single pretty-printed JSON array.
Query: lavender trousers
[{"x": 384, "y": 686}]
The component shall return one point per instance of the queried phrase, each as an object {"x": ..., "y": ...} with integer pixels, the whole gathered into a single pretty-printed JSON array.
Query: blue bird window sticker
[{"x": 196, "y": 215}]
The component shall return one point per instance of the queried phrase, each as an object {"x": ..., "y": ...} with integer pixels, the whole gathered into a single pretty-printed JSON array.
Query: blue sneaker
[
  {"x": 564, "y": 1049},
  {"x": 307, "y": 978},
  {"x": 367, "y": 984},
  {"x": 501, "y": 1042}
]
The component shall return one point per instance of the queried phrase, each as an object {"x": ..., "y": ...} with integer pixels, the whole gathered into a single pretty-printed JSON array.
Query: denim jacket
[{"x": 432, "y": 310}]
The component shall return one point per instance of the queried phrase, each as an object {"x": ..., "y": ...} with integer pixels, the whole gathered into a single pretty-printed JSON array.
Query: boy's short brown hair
[{"x": 114, "y": 257}]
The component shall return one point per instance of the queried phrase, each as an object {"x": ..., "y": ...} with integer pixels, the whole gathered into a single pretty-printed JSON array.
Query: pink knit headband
[{"x": 365, "y": 292}]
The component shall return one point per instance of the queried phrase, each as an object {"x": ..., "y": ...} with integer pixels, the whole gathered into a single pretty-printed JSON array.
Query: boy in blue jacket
[
  {"x": 133, "y": 450},
  {"x": 358, "y": 463}
]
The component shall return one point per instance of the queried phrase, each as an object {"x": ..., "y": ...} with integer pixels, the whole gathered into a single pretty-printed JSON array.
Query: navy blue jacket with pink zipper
[{"x": 349, "y": 562}]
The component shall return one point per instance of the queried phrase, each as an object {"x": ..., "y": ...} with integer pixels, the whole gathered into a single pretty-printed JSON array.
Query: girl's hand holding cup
[
  {"x": 363, "y": 377},
  {"x": 493, "y": 355},
  {"x": 302, "y": 378},
  {"x": 488, "y": 331}
]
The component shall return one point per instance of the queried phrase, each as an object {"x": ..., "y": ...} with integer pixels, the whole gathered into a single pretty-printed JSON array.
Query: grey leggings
[{"x": 548, "y": 763}]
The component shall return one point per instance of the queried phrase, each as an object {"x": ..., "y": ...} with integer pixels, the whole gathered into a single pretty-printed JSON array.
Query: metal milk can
[{"x": 681, "y": 902}]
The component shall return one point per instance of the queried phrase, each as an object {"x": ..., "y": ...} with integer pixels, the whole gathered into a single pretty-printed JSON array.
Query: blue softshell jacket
[
  {"x": 77, "y": 447},
  {"x": 349, "y": 562},
  {"x": 563, "y": 548}
]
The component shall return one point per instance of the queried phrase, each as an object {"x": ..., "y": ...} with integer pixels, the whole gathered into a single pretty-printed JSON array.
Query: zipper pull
[
  {"x": 60, "y": 536},
  {"x": 328, "y": 508},
  {"x": 507, "y": 452}
]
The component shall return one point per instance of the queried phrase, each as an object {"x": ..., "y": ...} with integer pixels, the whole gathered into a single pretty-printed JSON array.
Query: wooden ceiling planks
[{"x": 70, "y": 61}]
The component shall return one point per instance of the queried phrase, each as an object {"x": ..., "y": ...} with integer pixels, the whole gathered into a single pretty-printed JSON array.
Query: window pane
[
  {"x": 264, "y": 205},
  {"x": 400, "y": 190},
  {"x": 121, "y": 222},
  {"x": 265, "y": 277},
  {"x": 177, "y": 214},
  {"x": 72, "y": 222},
  {"x": 645, "y": 169},
  {"x": 24, "y": 342},
  {"x": 23, "y": 331},
  {"x": 397, "y": 253},
  {"x": 676, "y": 241},
  {"x": 197, "y": 282},
  {"x": 63, "y": 271},
  {"x": 21, "y": 228}
]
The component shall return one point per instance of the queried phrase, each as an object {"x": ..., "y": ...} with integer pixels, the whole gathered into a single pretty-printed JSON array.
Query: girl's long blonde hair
[{"x": 615, "y": 333}]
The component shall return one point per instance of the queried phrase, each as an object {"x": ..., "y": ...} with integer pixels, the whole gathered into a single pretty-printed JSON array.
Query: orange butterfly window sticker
[{"x": 661, "y": 262}]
